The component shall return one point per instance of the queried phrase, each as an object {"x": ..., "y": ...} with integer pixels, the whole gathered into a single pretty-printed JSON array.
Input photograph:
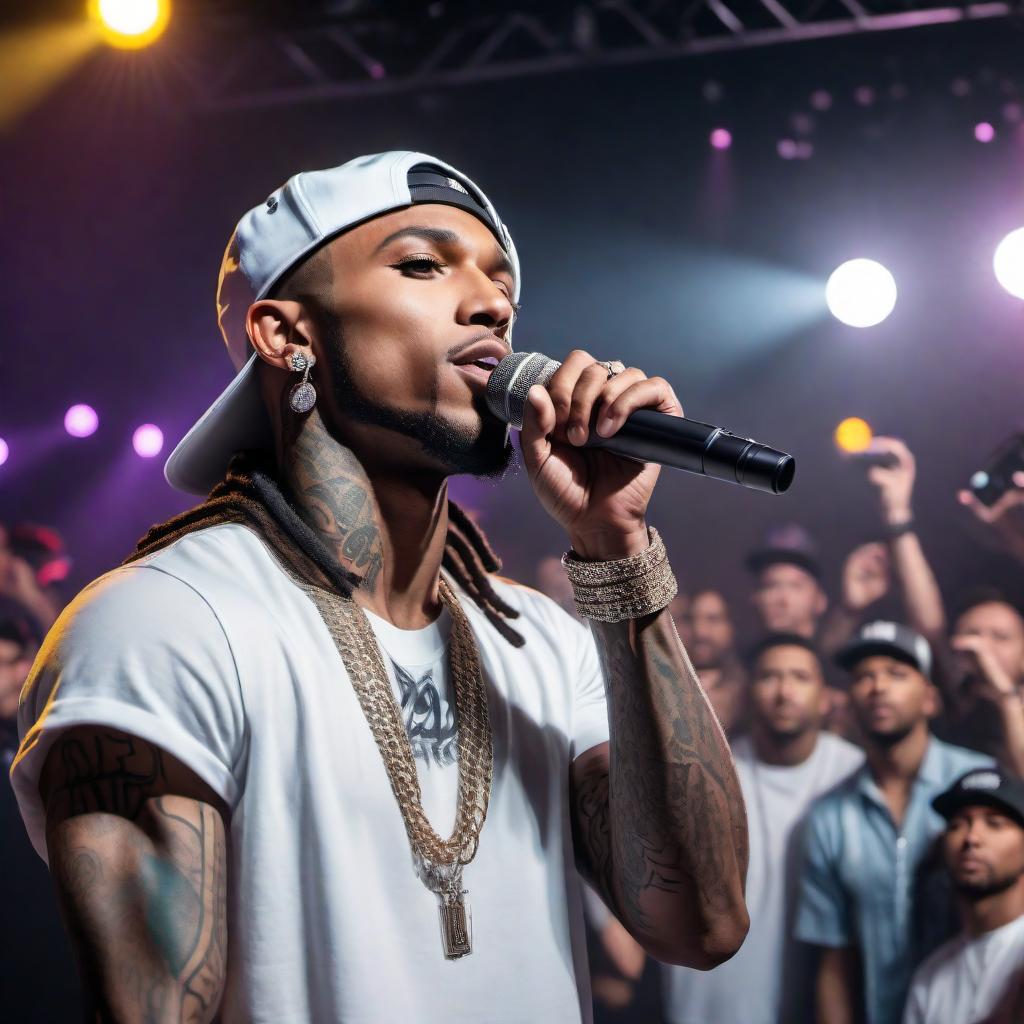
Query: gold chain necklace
[{"x": 439, "y": 861}]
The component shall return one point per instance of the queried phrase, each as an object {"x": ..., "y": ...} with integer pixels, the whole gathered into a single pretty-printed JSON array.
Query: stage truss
[{"x": 358, "y": 48}]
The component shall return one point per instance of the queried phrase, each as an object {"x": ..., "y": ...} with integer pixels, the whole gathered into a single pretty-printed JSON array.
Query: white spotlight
[
  {"x": 1008, "y": 263},
  {"x": 861, "y": 293}
]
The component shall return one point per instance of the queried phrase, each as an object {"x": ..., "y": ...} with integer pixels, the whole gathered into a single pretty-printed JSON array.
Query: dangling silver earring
[{"x": 302, "y": 396}]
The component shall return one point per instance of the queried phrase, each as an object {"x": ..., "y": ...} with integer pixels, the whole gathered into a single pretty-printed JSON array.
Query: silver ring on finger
[{"x": 613, "y": 366}]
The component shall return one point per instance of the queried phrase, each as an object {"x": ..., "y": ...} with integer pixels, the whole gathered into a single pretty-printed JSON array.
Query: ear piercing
[{"x": 302, "y": 396}]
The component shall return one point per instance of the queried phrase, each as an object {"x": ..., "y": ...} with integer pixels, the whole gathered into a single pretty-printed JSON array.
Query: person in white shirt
[
  {"x": 304, "y": 757},
  {"x": 784, "y": 763},
  {"x": 978, "y": 976}
]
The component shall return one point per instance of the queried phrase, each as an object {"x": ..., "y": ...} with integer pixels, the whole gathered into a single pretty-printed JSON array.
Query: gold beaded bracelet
[{"x": 625, "y": 588}]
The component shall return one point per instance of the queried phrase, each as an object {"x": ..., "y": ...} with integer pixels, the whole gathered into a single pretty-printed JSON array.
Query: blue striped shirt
[{"x": 858, "y": 875}]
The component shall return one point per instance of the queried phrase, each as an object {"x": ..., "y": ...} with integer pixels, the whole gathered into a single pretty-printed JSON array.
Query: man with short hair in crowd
[
  {"x": 784, "y": 763},
  {"x": 866, "y": 839},
  {"x": 978, "y": 976},
  {"x": 788, "y": 594},
  {"x": 705, "y": 626}
]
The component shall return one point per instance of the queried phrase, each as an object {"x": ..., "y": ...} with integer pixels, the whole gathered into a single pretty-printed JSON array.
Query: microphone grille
[{"x": 510, "y": 383}]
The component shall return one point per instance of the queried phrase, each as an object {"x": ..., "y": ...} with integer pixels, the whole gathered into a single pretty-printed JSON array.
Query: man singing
[{"x": 303, "y": 752}]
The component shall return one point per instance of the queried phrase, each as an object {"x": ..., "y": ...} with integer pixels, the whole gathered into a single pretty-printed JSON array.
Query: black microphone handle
[{"x": 649, "y": 436}]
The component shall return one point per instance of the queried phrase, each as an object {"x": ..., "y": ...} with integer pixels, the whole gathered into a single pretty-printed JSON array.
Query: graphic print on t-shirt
[{"x": 429, "y": 719}]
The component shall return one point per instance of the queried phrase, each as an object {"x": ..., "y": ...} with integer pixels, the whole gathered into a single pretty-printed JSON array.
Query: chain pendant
[{"x": 456, "y": 924}]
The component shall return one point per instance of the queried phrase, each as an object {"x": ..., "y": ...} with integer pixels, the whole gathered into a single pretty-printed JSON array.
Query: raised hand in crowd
[
  {"x": 895, "y": 487},
  {"x": 1005, "y": 518},
  {"x": 867, "y": 575},
  {"x": 992, "y": 682}
]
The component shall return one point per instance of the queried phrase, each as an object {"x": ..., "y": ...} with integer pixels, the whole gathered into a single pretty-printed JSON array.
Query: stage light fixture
[
  {"x": 721, "y": 138},
  {"x": 148, "y": 440},
  {"x": 853, "y": 435},
  {"x": 984, "y": 132},
  {"x": 81, "y": 421},
  {"x": 130, "y": 24},
  {"x": 5, "y": 451},
  {"x": 861, "y": 293},
  {"x": 1008, "y": 263}
]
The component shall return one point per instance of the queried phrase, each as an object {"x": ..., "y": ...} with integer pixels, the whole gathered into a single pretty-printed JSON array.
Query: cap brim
[
  {"x": 858, "y": 650},
  {"x": 759, "y": 560},
  {"x": 237, "y": 420},
  {"x": 948, "y": 803}
]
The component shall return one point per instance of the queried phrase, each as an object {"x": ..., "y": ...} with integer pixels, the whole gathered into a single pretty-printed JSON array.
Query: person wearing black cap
[
  {"x": 305, "y": 756},
  {"x": 978, "y": 976},
  {"x": 788, "y": 594},
  {"x": 866, "y": 839}
]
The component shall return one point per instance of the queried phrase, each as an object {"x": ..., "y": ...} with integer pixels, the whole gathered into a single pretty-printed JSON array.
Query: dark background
[{"x": 637, "y": 242}]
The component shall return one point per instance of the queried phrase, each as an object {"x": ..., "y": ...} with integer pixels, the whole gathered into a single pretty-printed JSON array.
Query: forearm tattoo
[
  {"x": 141, "y": 876},
  {"x": 667, "y": 819}
]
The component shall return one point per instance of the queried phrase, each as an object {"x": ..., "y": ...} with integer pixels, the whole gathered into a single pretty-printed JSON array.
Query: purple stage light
[
  {"x": 984, "y": 132},
  {"x": 721, "y": 138},
  {"x": 821, "y": 99},
  {"x": 787, "y": 149},
  {"x": 81, "y": 421},
  {"x": 148, "y": 440},
  {"x": 864, "y": 96},
  {"x": 5, "y": 451}
]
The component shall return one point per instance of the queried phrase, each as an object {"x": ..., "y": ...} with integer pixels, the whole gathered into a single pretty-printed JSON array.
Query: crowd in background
[{"x": 880, "y": 763}]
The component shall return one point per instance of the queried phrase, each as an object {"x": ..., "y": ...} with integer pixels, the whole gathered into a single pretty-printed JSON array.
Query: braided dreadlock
[
  {"x": 250, "y": 494},
  {"x": 469, "y": 557}
]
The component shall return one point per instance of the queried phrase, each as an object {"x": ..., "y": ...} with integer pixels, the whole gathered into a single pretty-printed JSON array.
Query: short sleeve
[
  {"x": 914, "y": 1010},
  {"x": 143, "y": 652},
  {"x": 822, "y": 916},
  {"x": 590, "y": 711}
]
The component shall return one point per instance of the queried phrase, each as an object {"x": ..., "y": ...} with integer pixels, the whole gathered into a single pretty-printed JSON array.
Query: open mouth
[{"x": 479, "y": 370}]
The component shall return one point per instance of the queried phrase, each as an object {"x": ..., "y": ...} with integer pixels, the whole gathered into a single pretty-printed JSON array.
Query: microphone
[{"x": 649, "y": 436}]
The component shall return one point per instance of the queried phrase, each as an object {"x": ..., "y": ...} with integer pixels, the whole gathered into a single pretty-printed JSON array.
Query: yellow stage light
[
  {"x": 853, "y": 435},
  {"x": 130, "y": 24}
]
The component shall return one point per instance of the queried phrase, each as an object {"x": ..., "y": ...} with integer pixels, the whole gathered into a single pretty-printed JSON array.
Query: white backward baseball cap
[{"x": 310, "y": 209}]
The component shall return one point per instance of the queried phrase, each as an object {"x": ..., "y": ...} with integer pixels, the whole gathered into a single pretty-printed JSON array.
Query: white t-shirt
[
  {"x": 209, "y": 650},
  {"x": 749, "y": 988},
  {"x": 971, "y": 980}
]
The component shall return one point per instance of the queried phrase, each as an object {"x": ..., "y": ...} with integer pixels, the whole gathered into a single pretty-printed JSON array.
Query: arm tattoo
[
  {"x": 591, "y": 833},
  {"x": 661, "y": 829},
  {"x": 109, "y": 772},
  {"x": 141, "y": 874}
]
